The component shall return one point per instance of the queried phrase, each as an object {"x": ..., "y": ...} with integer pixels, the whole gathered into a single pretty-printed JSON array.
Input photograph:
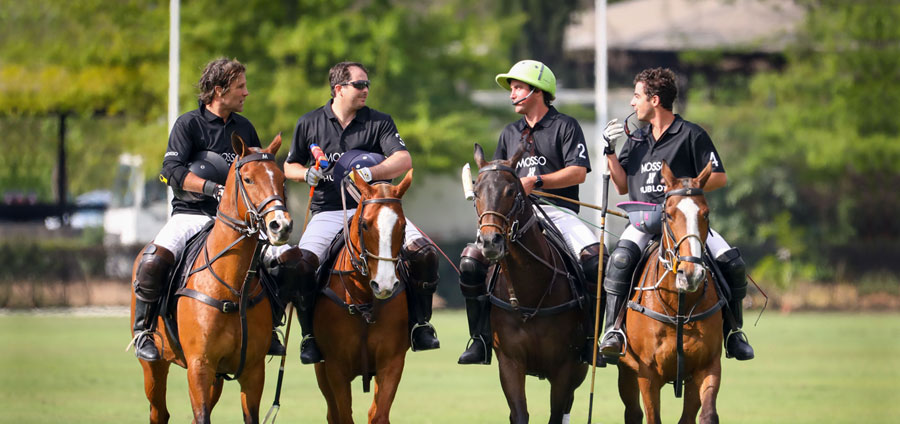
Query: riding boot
[
  {"x": 589, "y": 260},
  {"x": 149, "y": 280},
  {"x": 617, "y": 284},
  {"x": 276, "y": 348},
  {"x": 421, "y": 261},
  {"x": 478, "y": 314},
  {"x": 736, "y": 344},
  {"x": 473, "y": 269},
  {"x": 145, "y": 314},
  {"x": 295, "y": 272}
]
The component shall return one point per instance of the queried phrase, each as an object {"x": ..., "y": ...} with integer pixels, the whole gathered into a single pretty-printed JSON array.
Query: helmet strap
[{"x": 516, "y": 103}]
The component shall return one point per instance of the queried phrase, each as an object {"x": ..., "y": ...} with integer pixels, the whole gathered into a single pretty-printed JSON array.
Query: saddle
[{"x": 178, "y": 276}]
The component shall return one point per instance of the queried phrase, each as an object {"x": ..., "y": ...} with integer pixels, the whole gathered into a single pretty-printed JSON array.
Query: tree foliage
[
  {"x": 104, "y": 65},
  {"x": 813, "y": 151}
]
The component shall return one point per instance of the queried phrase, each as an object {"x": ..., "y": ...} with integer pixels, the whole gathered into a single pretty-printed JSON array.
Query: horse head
[
  {"x": 685, "y": 227},
  {"x": 499, "y": 199},
  {"x": 254, "y": 192},
  {"x": 379, "y": 225}
]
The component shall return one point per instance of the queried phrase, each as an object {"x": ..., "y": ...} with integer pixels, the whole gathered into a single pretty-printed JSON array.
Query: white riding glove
[
  {"x": 313, "y": 176},
  {"x": 612, "y": 131}
]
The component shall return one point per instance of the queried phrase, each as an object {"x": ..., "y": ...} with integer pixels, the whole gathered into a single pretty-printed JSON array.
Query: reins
[
  {"x": 252, "y": 225},
  {"x": 513, "y": 232}
]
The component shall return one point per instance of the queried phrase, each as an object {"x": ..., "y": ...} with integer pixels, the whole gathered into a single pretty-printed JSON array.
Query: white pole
[
  {"x": 600, "y": 92},
  {"x": 174, "y": 65}
]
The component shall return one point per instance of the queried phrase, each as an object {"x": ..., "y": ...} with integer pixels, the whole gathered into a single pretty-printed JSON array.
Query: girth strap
[
  {"x": 364, "y": 309},
  {"x": 225, "y": 306}
]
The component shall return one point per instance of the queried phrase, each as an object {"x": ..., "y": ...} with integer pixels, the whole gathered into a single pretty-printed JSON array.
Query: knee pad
[
  {"x": 622, "y": 262},
  {"x": 589, "y": 259},
  {"x": 735, "y": 271},
  {"x": 152, "y": 272},
  {"x": 473, "y": 268},
  {"x": 422, "y": 260}
]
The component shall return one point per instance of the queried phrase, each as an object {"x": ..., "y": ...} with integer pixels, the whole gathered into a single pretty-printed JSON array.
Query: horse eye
[
  {"x": 247, "y": 180},
  {"x": 364, "y": 226}
]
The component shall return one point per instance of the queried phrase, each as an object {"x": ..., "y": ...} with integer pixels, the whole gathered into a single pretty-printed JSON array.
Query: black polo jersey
[
  {"x": 196, "y": 131},
  {"x": 554, "y": 143},
  {"x": 370, "y": 130},
  {"x": 684, "y": 146}
]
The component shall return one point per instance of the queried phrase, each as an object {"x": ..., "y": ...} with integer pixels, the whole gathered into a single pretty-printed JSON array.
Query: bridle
[
  {"x": 254, "y": 222},
  {"x": 359, "y": 254},
  {"x": 510, "y": 227},
  {"x": 669, "y": 256}
]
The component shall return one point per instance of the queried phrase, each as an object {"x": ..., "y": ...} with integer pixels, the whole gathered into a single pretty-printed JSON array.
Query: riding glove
[
  {"x": 213, "y": 189},
  {"x": 313, "y": 176},
  {"x": 612, "y": 131}
]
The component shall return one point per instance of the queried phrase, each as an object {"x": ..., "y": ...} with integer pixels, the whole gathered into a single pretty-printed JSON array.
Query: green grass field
[{"x": 810, "y": 368}]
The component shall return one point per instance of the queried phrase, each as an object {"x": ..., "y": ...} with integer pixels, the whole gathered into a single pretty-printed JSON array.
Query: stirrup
[
  {"x": 485, "y": 359},
  {"x": 417, "y": 326},
  {"x": 149, "y": 333},
  {"x": 608, "y": 334},
  {"x": 742, "y": 337}
]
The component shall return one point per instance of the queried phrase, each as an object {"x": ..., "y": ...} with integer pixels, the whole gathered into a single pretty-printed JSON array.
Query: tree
[{"x": 813, "y": 151}]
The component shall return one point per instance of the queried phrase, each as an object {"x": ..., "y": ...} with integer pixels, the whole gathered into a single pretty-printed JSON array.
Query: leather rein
[
  {"x": 253, "y": 224},
  {"x": 513, "y": 232}
]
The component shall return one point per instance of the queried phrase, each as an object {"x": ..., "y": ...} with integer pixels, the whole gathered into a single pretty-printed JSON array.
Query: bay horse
[
  {"x": 360, "y": 318},
  {"x": 536, "y": 323},
  {"x": 224, "y": 317},
  {"x": 674, "y": 322}
]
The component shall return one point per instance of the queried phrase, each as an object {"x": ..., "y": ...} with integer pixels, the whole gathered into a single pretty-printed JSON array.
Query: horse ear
[
  {"x": 274, "y": 145},
  {"x": 479, "y": 156},
  {"x": 401, "y": 188},
  {"x": 237, "y": 143},
  {"x": 519, "y": 153},
  {"x": 668, "y": 176},
  {"x": 704, "y": 175},
  {"x": 365, "y": 188}
]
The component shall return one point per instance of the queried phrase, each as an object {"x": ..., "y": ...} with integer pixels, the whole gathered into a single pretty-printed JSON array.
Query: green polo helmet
[{"x": 530, "y": 72}]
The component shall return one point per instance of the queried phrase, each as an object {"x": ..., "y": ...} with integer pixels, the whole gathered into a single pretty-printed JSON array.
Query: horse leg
[
  {"x": 387, "y": 379},
  {"x": 512, "y": 380},
  {"x": 562, "y": 391},
  {"x": 629, "y": 392},
  {"x": 156, "y": 375},
  {"x": 215, "y": 392},
  {"x": 691, "y": 402},
  {"x": 201, "y": 377},
  {"x": 650, "y": 393},
  {"x": 340, "y": 405},
  {"x": 252, "y": 381},
  {"x": 708, "y": 391}
]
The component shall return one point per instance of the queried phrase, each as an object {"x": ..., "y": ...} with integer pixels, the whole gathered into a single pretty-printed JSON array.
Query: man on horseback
[
  {"x": 343, "y": 124},
  {"x": 196, "y": 165},
  {"x": 686, "y": 148},
  {"x": 555, "y": 160}
]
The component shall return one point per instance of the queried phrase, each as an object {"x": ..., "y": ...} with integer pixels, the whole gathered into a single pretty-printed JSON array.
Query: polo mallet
[
  {"x": 603, "y": 211},
  {"x": 321, "y": 161}
]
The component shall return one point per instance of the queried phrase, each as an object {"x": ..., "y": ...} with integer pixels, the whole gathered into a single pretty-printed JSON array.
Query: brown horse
[
  {"x": 535, "y": 319},
  {"x": 676, "y": 307},
  {"x": 360, "y": 319},
  {"x": 213, "y": 342}
]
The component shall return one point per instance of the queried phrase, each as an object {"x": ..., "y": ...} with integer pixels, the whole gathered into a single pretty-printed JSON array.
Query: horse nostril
[
  {"x": 374, "y": 286},
  {"x": 290, "y": 226},
  {"x": 274, "y": 226},
  {"x": 496, "y": 238}
]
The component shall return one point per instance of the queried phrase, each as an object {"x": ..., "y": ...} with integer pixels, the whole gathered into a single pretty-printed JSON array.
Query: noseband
[
  {"x": 359, "y": 260},
  {"x": 510, "y": 228},
  {"x": 669, "y": 256},
  {"x": 254, "y": 221}
]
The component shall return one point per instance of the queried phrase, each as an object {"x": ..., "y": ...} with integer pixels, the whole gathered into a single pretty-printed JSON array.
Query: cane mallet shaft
[
  {"x": 603, "y": 211},
  {"x": 320, "y": 162}
]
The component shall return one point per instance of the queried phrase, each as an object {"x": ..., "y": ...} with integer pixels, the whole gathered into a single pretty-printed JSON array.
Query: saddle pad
[{"x": 646, "y": 217}]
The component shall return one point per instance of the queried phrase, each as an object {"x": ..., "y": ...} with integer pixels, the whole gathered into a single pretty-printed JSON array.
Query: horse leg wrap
[{"x": 421, "y": 261}]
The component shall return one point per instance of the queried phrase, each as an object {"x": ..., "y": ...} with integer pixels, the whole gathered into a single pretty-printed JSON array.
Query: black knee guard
[
  {"x": 735, "y": 271},
  {"x": 152, "y": 272},
  {"x": 622, "y": 263},
  {"x": 473, "y": 269},
  {"x": 589, "y": 259},
  {"x": 422, "y": 261}
]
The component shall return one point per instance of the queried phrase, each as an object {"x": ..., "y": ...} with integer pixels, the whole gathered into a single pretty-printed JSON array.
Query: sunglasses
[
  {"x": 359, "y": 84},
  {"x": 628, "y": 132}
]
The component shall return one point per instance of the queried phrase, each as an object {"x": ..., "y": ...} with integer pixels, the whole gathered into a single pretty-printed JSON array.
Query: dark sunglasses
[
  {"x": 628, "y": 133},
  {"x": 359, "y": 84}
]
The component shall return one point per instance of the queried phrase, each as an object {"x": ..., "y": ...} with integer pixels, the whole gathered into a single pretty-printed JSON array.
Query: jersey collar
[
  {"x": 545, "y": 122},
  {"x": 362, "y": 115}
]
